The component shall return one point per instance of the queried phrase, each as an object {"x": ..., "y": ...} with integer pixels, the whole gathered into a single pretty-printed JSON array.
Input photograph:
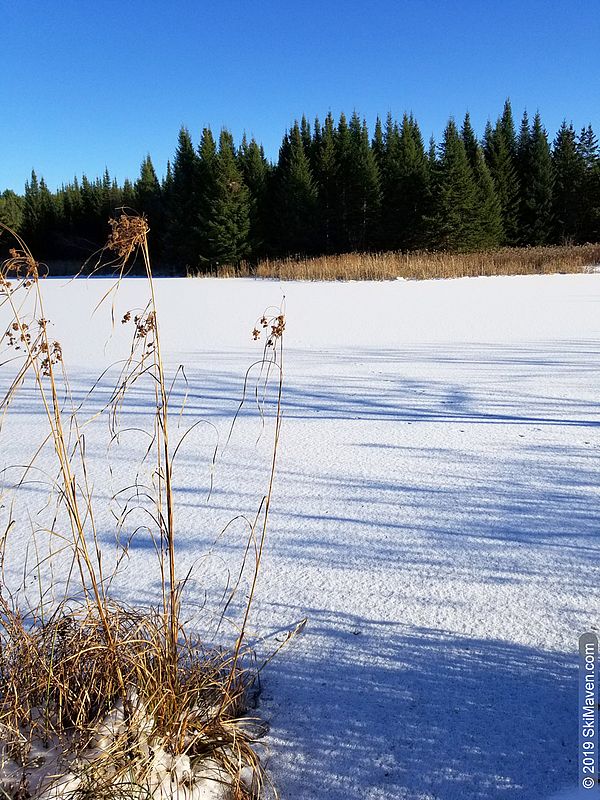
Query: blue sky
[{"x": 88, "y": 84}]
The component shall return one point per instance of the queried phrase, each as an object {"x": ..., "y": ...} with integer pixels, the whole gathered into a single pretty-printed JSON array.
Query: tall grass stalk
[{"x": 71, "y": 674}]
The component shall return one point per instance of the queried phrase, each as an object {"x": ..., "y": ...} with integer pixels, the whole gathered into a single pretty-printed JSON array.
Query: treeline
[{"x": 334, "y": 189}]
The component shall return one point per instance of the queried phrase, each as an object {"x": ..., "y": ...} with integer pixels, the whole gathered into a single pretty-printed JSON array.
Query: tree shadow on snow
[{"x": 366, "y": 709}]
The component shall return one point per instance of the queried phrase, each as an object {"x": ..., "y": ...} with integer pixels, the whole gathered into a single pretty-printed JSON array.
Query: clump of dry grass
[
  {"x": 98, "y": 700},
  {"x": 423, "y": 265}
]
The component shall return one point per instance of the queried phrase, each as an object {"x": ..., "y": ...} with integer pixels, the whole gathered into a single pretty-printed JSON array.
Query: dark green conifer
[
  {"x": 568, "y": 185},
  {"x": 296, "y": 197},
  {"x": 470, "y": 141},
  {"x": 455, "y": 224},
  {"x": 326, "y": 181},
  {"x": 537, "y": 185},
  {"x": 256, "y": 172},
  {"x": 11, "y": 210},
  {"x": 228, "y": 223},
  {"x": 498, "y": 144},
  {"x": 183, "y": 245}
]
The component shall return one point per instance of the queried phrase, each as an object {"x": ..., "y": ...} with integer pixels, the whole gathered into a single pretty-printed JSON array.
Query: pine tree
[
  {"x": 391, "y": 185},
  {"x": 506, "y": 127},
  {"x": 454, "y": 224},
  {"x": 378, "y": 145},
  {"x": 207, "y": 192},
  {"x": 413, "y": 186},
  {"x": 228, "y": 223},
  {"x": 326, "y": 181},
  {"x": 489, "y": 234},
  {"x": 538, "y": 180},
  {"x": 467, "y": 134},
  {"x": 183, "y": 247},
  {"x": 498, "y": 145},
  {"x": 296, "y": 197},
  {"x": 343, "y": 149},
  {"x": 256, "y": 173},
  {"x": 11, "y": 210},
  {"x": 128, "y": 195},
  {"x": 363, "y": 193},
  {"x": 568, "y": 185},
  {"x": 149, "y": 202},
  {"x": 587, "y": 147},
  {"x": 32, "y": 212}
]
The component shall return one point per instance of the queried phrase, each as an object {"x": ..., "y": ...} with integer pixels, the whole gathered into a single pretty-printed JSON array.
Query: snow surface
[{"x": 434, "y": 516}]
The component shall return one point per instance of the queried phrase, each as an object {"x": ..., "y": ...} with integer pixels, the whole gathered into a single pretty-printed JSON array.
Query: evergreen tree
[
  {"x": 413, "y": 174},
  {"x": 32, "y": 212},
  {"x": 228, "y": 223},
  {"x": 256, "y": 172},
  {"x": 326, "y": 181},
  {"x": 296, "y": 197},
  {"x": 343, "y": 149},
  {"x": 568, "y": 185},
  {"x": 149, "y": 202},
  {"x": 183, "y": 246},
  {"x": 128, "y": 194},
  {"x": 363, "y": 194},
  {"x": 391, "y": 185},
  {"x": 587, "y": 147},
  {"x": 378, "y": 145},
  {"x": 538, "y": 179},
  {"x": 11, "y": 210},
  {"x": 306, "y": 136},
  {"x": 498, "y": 144},
  {"x": 470, "y": 141},
  {"x": 207, "y": 192},
  {"x": 454, "y": 224},
  {"x": 489, "y": 234},
  {"x": 506, "y": 127}
]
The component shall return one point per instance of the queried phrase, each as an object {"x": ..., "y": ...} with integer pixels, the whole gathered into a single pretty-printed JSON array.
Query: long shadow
[
  {"x": 380, "y": 387},
  {"x": 362, "y": 708}
]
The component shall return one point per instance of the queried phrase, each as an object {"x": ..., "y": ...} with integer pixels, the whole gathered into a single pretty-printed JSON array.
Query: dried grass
[
  {"x": 121, "y": 698},
  {"x": 423, "y": 265}
]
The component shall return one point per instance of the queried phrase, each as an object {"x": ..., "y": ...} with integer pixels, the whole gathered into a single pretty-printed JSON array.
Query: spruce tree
[
  {"x": 587, "y": 147},
  {"x": 11, "y": 210},
  {"x": 128, "y": 194},
  {"x": 378, "y": 145},
  {"x": 343, "y": 147},
  {"x": 149, "y": 202},
  {"x": 207, "y": 192},
  {"x": 182, "y": 238},
  {"x": 413, "y": 174},
  {"x": 454, "y": 224},
  {"x": 506, "y": 127},
  {"x": 498, "y": 146},
  {"x": 391, "y": 185},
  {"x": 32, "y": 212},
  {"x": 256, "y": 173},
  {"x": 326, "y": 181},
  {"x": 489, "y": 231},
  {"x": 228, "y": 223},
  {"x": 538, "y": 180},
  {"x": 467, "y": 134},
  {"x": 363, "y": 193},
  {"x": 568, "y": 185},
  {"x": 296, "y": 197}
]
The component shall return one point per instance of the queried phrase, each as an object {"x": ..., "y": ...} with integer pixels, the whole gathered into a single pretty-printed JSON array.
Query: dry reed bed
[{"x": 422, "y": 265}]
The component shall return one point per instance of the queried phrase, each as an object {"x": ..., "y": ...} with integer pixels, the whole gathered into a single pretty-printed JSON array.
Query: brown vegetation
[{"x": 424, "y": 265}]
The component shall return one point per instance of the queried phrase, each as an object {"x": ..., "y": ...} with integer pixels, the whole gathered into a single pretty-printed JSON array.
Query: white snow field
[{"x": 435, "y": 516}]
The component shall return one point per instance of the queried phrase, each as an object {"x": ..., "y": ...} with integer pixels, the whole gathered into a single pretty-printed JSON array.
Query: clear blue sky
[{"x": 88, "y": 84}]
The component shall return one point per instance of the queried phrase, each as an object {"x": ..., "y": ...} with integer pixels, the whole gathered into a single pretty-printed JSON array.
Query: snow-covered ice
[{"x": 435, "y": 516}]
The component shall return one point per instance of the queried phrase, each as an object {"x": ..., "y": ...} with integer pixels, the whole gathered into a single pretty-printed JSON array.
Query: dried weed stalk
[{"x": 122, "y": 702}]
